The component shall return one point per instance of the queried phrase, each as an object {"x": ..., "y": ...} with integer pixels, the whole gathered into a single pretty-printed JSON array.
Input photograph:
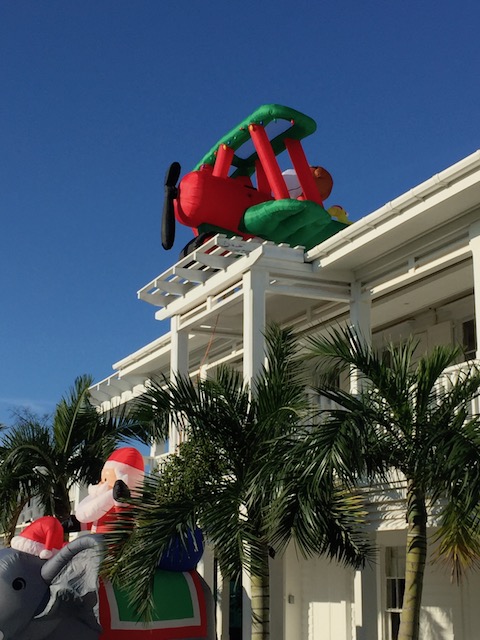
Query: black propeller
[{"x": 168, "y": 217}]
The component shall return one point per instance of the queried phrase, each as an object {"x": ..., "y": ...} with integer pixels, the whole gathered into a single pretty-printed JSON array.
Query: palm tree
[
  {"x": 401, "y": 418},
  {"x": 16, "y": 487},
  {"x": 43, "y": 461},
  {"x": 213, "y": 481}
]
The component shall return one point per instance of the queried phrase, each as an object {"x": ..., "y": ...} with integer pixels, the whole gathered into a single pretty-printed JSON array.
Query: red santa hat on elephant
[{"x": 42, "y": 538}]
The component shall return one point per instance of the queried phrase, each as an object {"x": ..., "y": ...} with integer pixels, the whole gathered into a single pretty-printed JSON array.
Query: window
[
  {"x": 395, "y": 588},
  {"x": 469, "y": 341}
]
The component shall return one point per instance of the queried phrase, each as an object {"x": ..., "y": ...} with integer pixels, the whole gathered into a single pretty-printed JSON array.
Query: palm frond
[
  {"x": 428, "y": 372},
  {"x": 140, "y": 538},
  {"x": 421, "y": 424},
  {"x": 46, "y": 458},
  {"x": 69, "y": 410},
  {"x": 280, "y": 393},
  {"x": 322, "y": 520},
  {"x": 458, "y": 539}
]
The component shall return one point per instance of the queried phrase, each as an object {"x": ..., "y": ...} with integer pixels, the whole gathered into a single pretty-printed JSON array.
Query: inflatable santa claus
[{"x": 122, "y": 475}]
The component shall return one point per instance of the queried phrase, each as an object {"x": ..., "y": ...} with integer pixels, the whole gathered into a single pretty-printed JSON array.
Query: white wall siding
[{"x": 319, "y": 599}]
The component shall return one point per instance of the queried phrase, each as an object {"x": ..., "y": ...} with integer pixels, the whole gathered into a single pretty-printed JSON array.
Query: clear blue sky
[{"x": 98, "y": 97}]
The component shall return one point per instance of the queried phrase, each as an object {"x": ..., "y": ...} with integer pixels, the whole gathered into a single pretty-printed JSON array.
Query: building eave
[
  {"x": 378, "y": 250},
  {"x": 430, "y": 204}
]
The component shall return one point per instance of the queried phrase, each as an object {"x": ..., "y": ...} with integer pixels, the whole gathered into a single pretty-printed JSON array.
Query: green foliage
[
  {"x": 193, "y": 470},
  {"x": 402, "y": 417},
  {"x": 408, "y": 415},
  {"x": 42, "y": 459},
  {"x": 229, "y": 477}
]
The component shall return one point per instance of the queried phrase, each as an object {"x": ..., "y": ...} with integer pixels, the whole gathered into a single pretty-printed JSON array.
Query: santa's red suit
[{"x": 99, "y": 508}]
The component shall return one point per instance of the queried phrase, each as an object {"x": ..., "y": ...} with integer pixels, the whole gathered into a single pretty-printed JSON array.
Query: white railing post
[
  {"x": 178, "y": 367},
  {"x": 360, "y": 320}
]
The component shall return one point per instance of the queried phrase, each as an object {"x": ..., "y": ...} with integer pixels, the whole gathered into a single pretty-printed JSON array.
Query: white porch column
[
  {"x": 360, "y": 320},
  {"x": 223, "y": 606},
  {"x": 474, "y": 233},
  {"x": 367, "y": 603},
  {"x": 178, "y": 367},
  {"x": 254, "y": 286},
  {"x": 360, "y": 311}
]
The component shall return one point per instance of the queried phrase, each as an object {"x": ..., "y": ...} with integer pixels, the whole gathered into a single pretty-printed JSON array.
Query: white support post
[
  {"x": 206, "y": 567},
  {"x": 360, "y": 320},
  {"x": 178, "y": 367},
  {"x": 474, "y": 233},
  {"x": 360, "y": 311},
  {"x": 254, "y": 287},
  {"x": 223, "y": 606}
]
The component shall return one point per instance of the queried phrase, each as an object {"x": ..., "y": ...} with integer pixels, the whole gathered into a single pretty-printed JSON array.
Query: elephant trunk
[{"x": 52, "y": 567}]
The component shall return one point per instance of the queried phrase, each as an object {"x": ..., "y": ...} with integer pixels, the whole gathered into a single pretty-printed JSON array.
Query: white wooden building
[{"x": 411, "y": 267}]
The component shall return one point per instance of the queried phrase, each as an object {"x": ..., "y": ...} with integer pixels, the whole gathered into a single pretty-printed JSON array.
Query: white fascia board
[
  {"x": 144, "y": 352},
  {"x": 453, "y": 182},
  {"x": 114, "y": 387},
  {"x": 417, "y": 273}
]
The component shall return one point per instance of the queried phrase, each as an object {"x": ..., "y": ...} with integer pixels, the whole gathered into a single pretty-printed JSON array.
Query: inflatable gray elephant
[{"x": 62, "y": 599}]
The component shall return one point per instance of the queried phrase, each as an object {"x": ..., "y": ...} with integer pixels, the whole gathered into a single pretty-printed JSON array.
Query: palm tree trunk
[
  {"x": 61, "y": 505},
  {"x": 415, "y": 563},
  {"x": 61, "y": 501},
  {"x": 260, "y": 586},
  {"x": 12, "y": 525}
]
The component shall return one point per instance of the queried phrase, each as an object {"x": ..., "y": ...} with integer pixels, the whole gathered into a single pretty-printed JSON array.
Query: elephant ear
[{"x": 72, "y": 575}]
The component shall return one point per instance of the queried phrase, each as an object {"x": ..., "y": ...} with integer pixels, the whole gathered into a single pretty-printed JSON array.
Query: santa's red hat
[
  {"x": 128, "y": 462},
  {"x": 43, "y": 538}
]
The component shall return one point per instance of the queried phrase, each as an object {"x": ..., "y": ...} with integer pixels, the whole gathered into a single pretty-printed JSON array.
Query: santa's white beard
[
  {"x": 98, "y": 502},
  {"x": 95, "y": 490}
]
